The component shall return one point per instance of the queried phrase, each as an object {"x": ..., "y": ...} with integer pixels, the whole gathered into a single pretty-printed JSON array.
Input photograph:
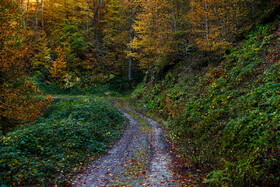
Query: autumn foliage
[
  {"x": 57, "y": 68},
  {"x": 154, "y": 33},
  {"x": 215, "y": 23},
  {"x": 17, "y": 104}
]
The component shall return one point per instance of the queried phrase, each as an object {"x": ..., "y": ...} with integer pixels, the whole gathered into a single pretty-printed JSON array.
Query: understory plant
[
  {"x": 225, "y": 119},
  {"x": 59, "y": 144}
]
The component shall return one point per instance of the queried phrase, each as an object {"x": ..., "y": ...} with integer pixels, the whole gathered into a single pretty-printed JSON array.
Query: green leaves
[
  {"x": 69, "y": 132},
  {"x": 231, "y": 113}
]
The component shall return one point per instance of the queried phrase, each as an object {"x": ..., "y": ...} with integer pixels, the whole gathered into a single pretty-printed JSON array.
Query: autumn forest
[{"x": 76, "y": 75}]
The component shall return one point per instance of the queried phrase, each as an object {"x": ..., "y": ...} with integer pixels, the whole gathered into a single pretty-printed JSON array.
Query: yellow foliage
[
  {"x": 17, "y": 103},
  {"x": 153, "y": 27},
  {"x": 215, "y": 22},
  {"x": 57, "y": 68}
]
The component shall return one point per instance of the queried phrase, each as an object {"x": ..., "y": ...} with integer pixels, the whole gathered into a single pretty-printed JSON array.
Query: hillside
[{"x": 223, "y": 112}]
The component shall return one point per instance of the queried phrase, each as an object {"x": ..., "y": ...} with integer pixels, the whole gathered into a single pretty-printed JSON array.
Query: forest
[{"x": 206, "y": 70}]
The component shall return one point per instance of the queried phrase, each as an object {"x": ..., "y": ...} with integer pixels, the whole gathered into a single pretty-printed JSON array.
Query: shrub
[
  {"x": 69, "y": 133},
  {"x": 226, "y": 119}
]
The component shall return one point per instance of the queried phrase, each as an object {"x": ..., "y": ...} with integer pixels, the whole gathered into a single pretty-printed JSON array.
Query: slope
[{"x": 223, "y": 112}]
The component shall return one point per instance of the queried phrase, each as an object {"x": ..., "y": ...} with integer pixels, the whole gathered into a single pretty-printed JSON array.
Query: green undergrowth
[
  {"x": 98, "y": 90},
  {"x": 70, "y": 133},
  {"x": 115, "y": 86},
  {"x": 226, "y": 118}
]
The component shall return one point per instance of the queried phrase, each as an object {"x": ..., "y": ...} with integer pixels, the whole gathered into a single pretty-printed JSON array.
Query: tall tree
[
  {"x": 17, "y": 104},
  {"x": 154, "y": 28},
  {"x": 42, "y": 12},
  {"x": 215, "y": 22},
  {"x": 117, "y": 19},
  {"x": 37, "y": 14},
  {"x": 87, "y": 5},
  {"x": 27, "y": 11},
  {"x": 131, "y": 36},
  {"x": 96, "y": 13}
]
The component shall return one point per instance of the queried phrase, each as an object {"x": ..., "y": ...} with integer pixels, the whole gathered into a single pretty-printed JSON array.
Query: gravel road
[{"x": 140, "y": 158}]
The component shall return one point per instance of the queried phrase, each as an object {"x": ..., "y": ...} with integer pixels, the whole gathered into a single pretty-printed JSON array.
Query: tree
[
  {"x": 41, "y": 53},
  {"x": 215, "y": 22},
  {"x": 17, "y": 104},
  {"x": 154, "y": 27},
  {"x": 42, "y": 12},
  {"x": 116, "y": 36},
  {"x": 58, "y": 66}
]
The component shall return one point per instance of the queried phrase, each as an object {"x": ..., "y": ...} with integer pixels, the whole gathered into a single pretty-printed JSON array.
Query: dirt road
[{"x": 140, "y": 158}]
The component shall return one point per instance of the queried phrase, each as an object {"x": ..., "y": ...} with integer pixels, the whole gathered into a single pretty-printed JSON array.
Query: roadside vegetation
[
  {"x": 225, "y": 118},
  {"x": 60, "y": 143}
]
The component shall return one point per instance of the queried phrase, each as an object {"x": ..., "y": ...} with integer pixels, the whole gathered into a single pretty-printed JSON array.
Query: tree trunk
[
  {"x": 74, "y": 9},
  {"x": 42, "y": 10},
  {"x": 87, "y": 17},
  {"x": 206, "y": 21},
  {"x": 65, "y": 11},
  {"x": 253, "y": 8},
  {"x": 235, "y": 14},
  {"x": 37, "y": 12},
  {"x": 130, "y": 48},
  {"x": 22, "y": 7},
  {"x": 96, "y": 13},
  {"x": 174, "y": 16},
  {"x": 27, "y": 12},
  {"x": 96, "y": 16}
]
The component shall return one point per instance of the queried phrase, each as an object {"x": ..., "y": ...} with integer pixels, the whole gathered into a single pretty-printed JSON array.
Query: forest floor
[{"x": 142, "y": 157}]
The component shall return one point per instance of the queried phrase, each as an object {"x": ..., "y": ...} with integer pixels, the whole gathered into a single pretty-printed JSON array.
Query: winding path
[{"x": 140, "y": 158}]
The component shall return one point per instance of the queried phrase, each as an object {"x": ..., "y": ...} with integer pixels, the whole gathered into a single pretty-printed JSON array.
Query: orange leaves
[
  {"x": 17, "y": 103},
  {"x": 172, "y": 110},
  {"x": 18, "y": 106},
  {"x": 58, "y": 66}
]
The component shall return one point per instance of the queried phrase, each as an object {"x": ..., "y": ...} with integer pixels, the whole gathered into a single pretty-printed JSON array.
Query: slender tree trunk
[
  {"x": 253, "y": 8},
  {"x": 206, "y": 21},
  {"x": 174, "y": 16},
  {"x": 130, "y": 48},
  {"x": 22, "y": 7},
  {"x": 96, "y": 13},
  {"x": 42, "y": 11},
  {"x": 182, "y": 18},
  {"x": 74, "y": 9},
  {"x": 34, "y": 17},
  {"x": 222, "y": 22},
  {"x": 93, "y": 5},
  {"x": 37, "y": 13},
  {"x": 235, "y": 14},
  {"x": 181, "y": 7},
  {"x": 27, "y": 12},
  {"x": 65, "y": 11},
  {"x": 87, "y": 17},
  {"x": 96, "y": 16}
]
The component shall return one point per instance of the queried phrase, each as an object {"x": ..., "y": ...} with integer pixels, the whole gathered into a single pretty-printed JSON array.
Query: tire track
[{"x": 140, "y": 158}]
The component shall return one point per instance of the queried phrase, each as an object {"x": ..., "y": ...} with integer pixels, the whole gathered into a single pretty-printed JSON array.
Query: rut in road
[{"x": 140, "y": 158}]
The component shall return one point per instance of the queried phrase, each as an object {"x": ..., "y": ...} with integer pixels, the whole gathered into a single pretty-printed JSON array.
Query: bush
[
  {"x": 69, "y": 133},
  {"x": 226, "y": 119}
]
